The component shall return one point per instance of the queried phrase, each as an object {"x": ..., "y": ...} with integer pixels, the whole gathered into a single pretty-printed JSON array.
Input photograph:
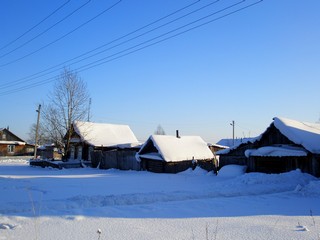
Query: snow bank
[
  {"x": 37, "y": 203},
  {"x": 310, "y": 190},
  {"x": 232, "y": 170}
]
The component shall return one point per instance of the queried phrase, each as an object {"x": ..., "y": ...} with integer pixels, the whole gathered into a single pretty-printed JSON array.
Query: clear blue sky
[{"x": 251, "y": 66}]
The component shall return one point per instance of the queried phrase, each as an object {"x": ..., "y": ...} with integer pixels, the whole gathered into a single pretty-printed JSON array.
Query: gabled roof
[
  {"x": 302, "y": 133},
  {"x": 104, "y": 134},
  {"x": 15, "y": 140},
  {"x": 173, "y": 149},
  {"x": 229, "y": 142}
]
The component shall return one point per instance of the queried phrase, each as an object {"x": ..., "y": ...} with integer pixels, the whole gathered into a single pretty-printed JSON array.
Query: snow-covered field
[{"x": 37, "y": 203}]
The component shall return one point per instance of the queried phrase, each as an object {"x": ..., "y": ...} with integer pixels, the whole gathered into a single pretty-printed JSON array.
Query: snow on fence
[
  {"x": 15, "y": 159},
  {"x": 118, "y": 159}
]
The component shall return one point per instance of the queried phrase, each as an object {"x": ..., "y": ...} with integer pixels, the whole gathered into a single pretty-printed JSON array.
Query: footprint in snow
[
  {"x": 302, "y": 228},
  {"x": 6, "y": 226}
]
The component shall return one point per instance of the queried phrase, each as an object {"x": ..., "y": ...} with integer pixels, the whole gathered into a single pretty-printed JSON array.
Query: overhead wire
[
  {"x": 96, "y": 63},
  {"x": 63, "y": 36},
  {"x": 114, "y": 57},
  {"x": 122, "y": 53},
  {"x": 33, "y": 76},
  {"x": 33, "y": 27},
  {"x": 43, "y": 32}
]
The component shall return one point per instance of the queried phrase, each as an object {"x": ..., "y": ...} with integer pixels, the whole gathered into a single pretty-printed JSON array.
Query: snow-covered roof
[
  {"x": 237, "y": 144},
  {"x": 173, "y": 149},
  {"x": 107, "y": 135},
  {"x": 229, "y": 142},
  {"x": 277, "y": 151},
  {"x": 303, "y": 133},
  {"x": 13, "y": 142}
]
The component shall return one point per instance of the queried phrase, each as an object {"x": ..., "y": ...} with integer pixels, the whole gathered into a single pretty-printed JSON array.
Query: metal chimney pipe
[{"x": 177, "y": 134}]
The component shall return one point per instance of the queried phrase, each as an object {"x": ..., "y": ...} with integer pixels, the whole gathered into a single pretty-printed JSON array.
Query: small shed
[
  {"x": 50, "y": 151},
  {"x": 88, "y": 137},
  {"x": 172, "y": 154},
  {"x": 285, "y": 145}
]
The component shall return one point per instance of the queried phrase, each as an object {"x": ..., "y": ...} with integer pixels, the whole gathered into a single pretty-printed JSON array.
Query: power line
[
  {"x": 29, "y": 30},
  {"x": 124, "y": 53},
  {"x": 113, "y": 56},
  {"x": 43, "y": 32},
  {"x": 63, "y": 36},
  {"x": 43, "y": 73}
]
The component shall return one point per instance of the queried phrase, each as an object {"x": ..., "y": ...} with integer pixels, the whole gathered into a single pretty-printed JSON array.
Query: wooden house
[
  {"x": 285, "y": 145},
  {"x": 12, "y": 145},
  {"x": 172, "y": 154},
  {"x": 88, "y": 137}
]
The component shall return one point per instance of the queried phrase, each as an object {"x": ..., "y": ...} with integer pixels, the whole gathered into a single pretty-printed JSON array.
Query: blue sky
[{"x": 249, "y": 67}]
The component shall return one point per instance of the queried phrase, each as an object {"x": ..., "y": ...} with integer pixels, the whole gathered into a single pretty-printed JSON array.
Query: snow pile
[
  {"x": 311, "y": 189},
  {"x": 198, "y": 171},
  {"x": 14, "y": 160},
  {"x": 232, "y": 170}
]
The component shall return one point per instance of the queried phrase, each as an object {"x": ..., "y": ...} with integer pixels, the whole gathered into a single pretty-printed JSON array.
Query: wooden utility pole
[
  {"x": 232, "y": 124},
  {"x": 37, "y": 129}
]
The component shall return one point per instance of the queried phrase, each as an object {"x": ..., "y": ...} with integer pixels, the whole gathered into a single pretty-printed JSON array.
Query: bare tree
[
  {"x": 68, "y": 102},
  {"x": 43, "y": 138},
  {"x": 159, "y": 131}
]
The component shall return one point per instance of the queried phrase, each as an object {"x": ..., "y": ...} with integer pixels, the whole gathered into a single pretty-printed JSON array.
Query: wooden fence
[{"x": 118, "y": 159}]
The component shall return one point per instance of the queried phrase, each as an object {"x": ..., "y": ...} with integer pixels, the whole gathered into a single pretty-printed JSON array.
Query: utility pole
[
  {"x": 232, "y": 124},
  {"x": 37, "y": 129},
  {"x": 89, "y": 110}
]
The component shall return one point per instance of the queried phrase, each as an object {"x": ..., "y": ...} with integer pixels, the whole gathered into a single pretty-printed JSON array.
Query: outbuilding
[
  {"x": 88, "y": 137},
  {"x": 172, "y": 154},
  {"x": 285, "y": 145}
]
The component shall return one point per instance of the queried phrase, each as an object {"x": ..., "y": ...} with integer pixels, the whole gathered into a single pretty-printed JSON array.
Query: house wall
[
  {"x": 6, "y": 135},
  {"x": 19, "y": 150},
  {"x": 273, "y": 136},
  {"x": 123, "y": 159},
  {"x": 235, "y": 156},
  {"x": 279, "y": 164},
  {"x": 315, "y": 165},
  {"x": 158, "y": 166}
]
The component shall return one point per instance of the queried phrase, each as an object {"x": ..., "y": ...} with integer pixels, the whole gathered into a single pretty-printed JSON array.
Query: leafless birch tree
[{"x": 68, "y": 102}]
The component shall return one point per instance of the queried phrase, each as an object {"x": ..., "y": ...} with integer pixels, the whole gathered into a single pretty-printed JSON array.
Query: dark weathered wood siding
[
  {"x": 272, "y": 136},
  {"x": 278, "y": 164},
  {"x": 123, "y": 159},
  {"x": 158, "y": 166}
]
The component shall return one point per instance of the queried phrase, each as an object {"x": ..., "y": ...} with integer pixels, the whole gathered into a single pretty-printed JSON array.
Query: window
[
  {"x": 4, "y": 137},
  {"x": 11, "y": 148}
]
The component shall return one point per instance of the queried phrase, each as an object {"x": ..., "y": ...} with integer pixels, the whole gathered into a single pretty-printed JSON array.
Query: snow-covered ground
[{"x": 37, "y": 203}]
